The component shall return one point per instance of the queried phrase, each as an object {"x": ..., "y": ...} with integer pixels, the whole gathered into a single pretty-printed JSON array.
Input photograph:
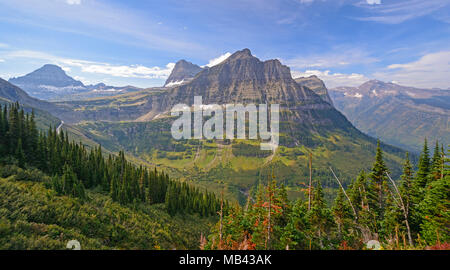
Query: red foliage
[
  {"x": 344, "y": 246},
  {"x": 442, "y": 246}
]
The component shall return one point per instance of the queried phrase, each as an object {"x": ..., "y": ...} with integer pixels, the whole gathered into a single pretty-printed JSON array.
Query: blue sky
[{"x": 344, "y": 42}]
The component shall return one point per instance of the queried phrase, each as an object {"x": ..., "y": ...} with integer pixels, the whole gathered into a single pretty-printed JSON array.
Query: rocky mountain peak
[
  {"x": 242, "y": 54},
  {"x": 50, "y": 75},
  {"x": 47, "y": 82},
  {"x": 244, "y": 78},
  {"x": 183, "y": 72}
]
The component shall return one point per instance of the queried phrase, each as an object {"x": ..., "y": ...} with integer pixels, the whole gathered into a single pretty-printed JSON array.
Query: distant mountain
[
  {"x": 48, "y": 82},
  {"x": 316, "y": 85},
  {"x": 399, "y": 115},
  {"x": 182, "y": 73}
]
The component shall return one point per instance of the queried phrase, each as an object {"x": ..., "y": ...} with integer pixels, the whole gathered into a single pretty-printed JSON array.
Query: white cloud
[
  {"x": 373, "y": 2},
  {"x": 125, "y": 71},
  {"x": 338, "y": 58},
  {"x": 4, "y": 45},
  {"x": 399, "y": 11},
  {"x": 133, "y": 71},
  {"x": 431, "y": 70},
  {"x": 73, "y": 2},
  {"x": 66, "y": 69},
  {"x": 1, "y": 60},
  {"x": 217, "y": 60},
  {"x": 332, "y": 80},
  {"x": 306, "y": 1}
]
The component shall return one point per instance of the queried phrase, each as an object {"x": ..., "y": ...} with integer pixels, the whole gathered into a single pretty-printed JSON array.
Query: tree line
[
  {"x": 410, "y": 213},
  {"x": 74, "y": 168}
]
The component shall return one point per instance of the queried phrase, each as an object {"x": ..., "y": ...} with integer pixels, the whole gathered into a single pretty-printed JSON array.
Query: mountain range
[
  {"x": 399, "y": 115},
  {"x": 50, "y": 82}
]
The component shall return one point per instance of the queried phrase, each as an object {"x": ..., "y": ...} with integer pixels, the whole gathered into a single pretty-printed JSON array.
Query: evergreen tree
[
  {"x": 343, "y": 217},
  {"x": 437, "y": 163},
  {"x": 19, "y": 154},
  {"x": 435, "y": 210},
  {"x": 378, "y": 187},
  {"x": 321, "y": 219},
  {"x": 418, "y": 187}
]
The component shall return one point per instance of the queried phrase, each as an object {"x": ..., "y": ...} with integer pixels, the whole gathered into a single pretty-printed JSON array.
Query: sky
[{"x": 137, "y": 42}]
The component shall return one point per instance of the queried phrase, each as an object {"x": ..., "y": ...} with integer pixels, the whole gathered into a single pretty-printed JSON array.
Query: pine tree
[
  {"x": 19, "y": 154},
  {"x": 377, "y": 189},
  {"x": 436, "y": 163},
  {"x": 343, "y": 217},
  {"x": 320, "y": 218},
  {"x": 418, "y": 188},
  {"x": 424, "y": 170},
  {"x": 435, "y": 209}
]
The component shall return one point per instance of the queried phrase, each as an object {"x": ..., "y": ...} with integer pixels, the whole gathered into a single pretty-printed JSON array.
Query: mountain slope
[
  {"x": 47, "y": 113},
  {"x": 35, "y": 217},
  {"x": 399, "y": 115},
  {"x": 13, "y": 93}
]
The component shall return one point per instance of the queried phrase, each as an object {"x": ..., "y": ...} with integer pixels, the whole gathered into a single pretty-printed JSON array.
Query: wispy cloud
[
  {"x": 104, "y": 19},
  {"x": 124, "y": 71},
  {"x": 73, "y": 2},
  {"x": 337, "y": 58},
  {"x": 373, "y": 2},
  {"x": 431, "y": 70},
  {"x": 1, "y": 60},
  {"x": 217, "y": 60},
  {"x": 400, "y": 11},
  {"x": 332, "y": 80}
]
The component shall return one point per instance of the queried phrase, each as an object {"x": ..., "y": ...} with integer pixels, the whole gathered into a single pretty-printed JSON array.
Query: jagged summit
[
  {"x": 182, "y": 73},
  {"x": 242, "y": 54},
  {"x": 243, "y": 78}
]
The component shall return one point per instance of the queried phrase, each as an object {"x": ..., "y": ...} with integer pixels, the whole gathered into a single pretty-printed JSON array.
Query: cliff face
[
  {"x": 316, "y": 85},
  {"x": 243, "y": 78}
]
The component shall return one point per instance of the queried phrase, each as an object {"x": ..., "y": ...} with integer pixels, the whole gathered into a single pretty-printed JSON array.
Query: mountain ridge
[{"x": 399, "y": 115}]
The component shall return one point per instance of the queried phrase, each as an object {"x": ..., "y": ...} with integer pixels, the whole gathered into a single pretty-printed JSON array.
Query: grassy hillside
[
  {"x": 35, "y": 217},
  {"x": 238, "y": 166}
]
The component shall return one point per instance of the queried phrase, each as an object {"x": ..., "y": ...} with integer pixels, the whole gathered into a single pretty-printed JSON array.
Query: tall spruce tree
[{"x": 378, "y": 185}]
